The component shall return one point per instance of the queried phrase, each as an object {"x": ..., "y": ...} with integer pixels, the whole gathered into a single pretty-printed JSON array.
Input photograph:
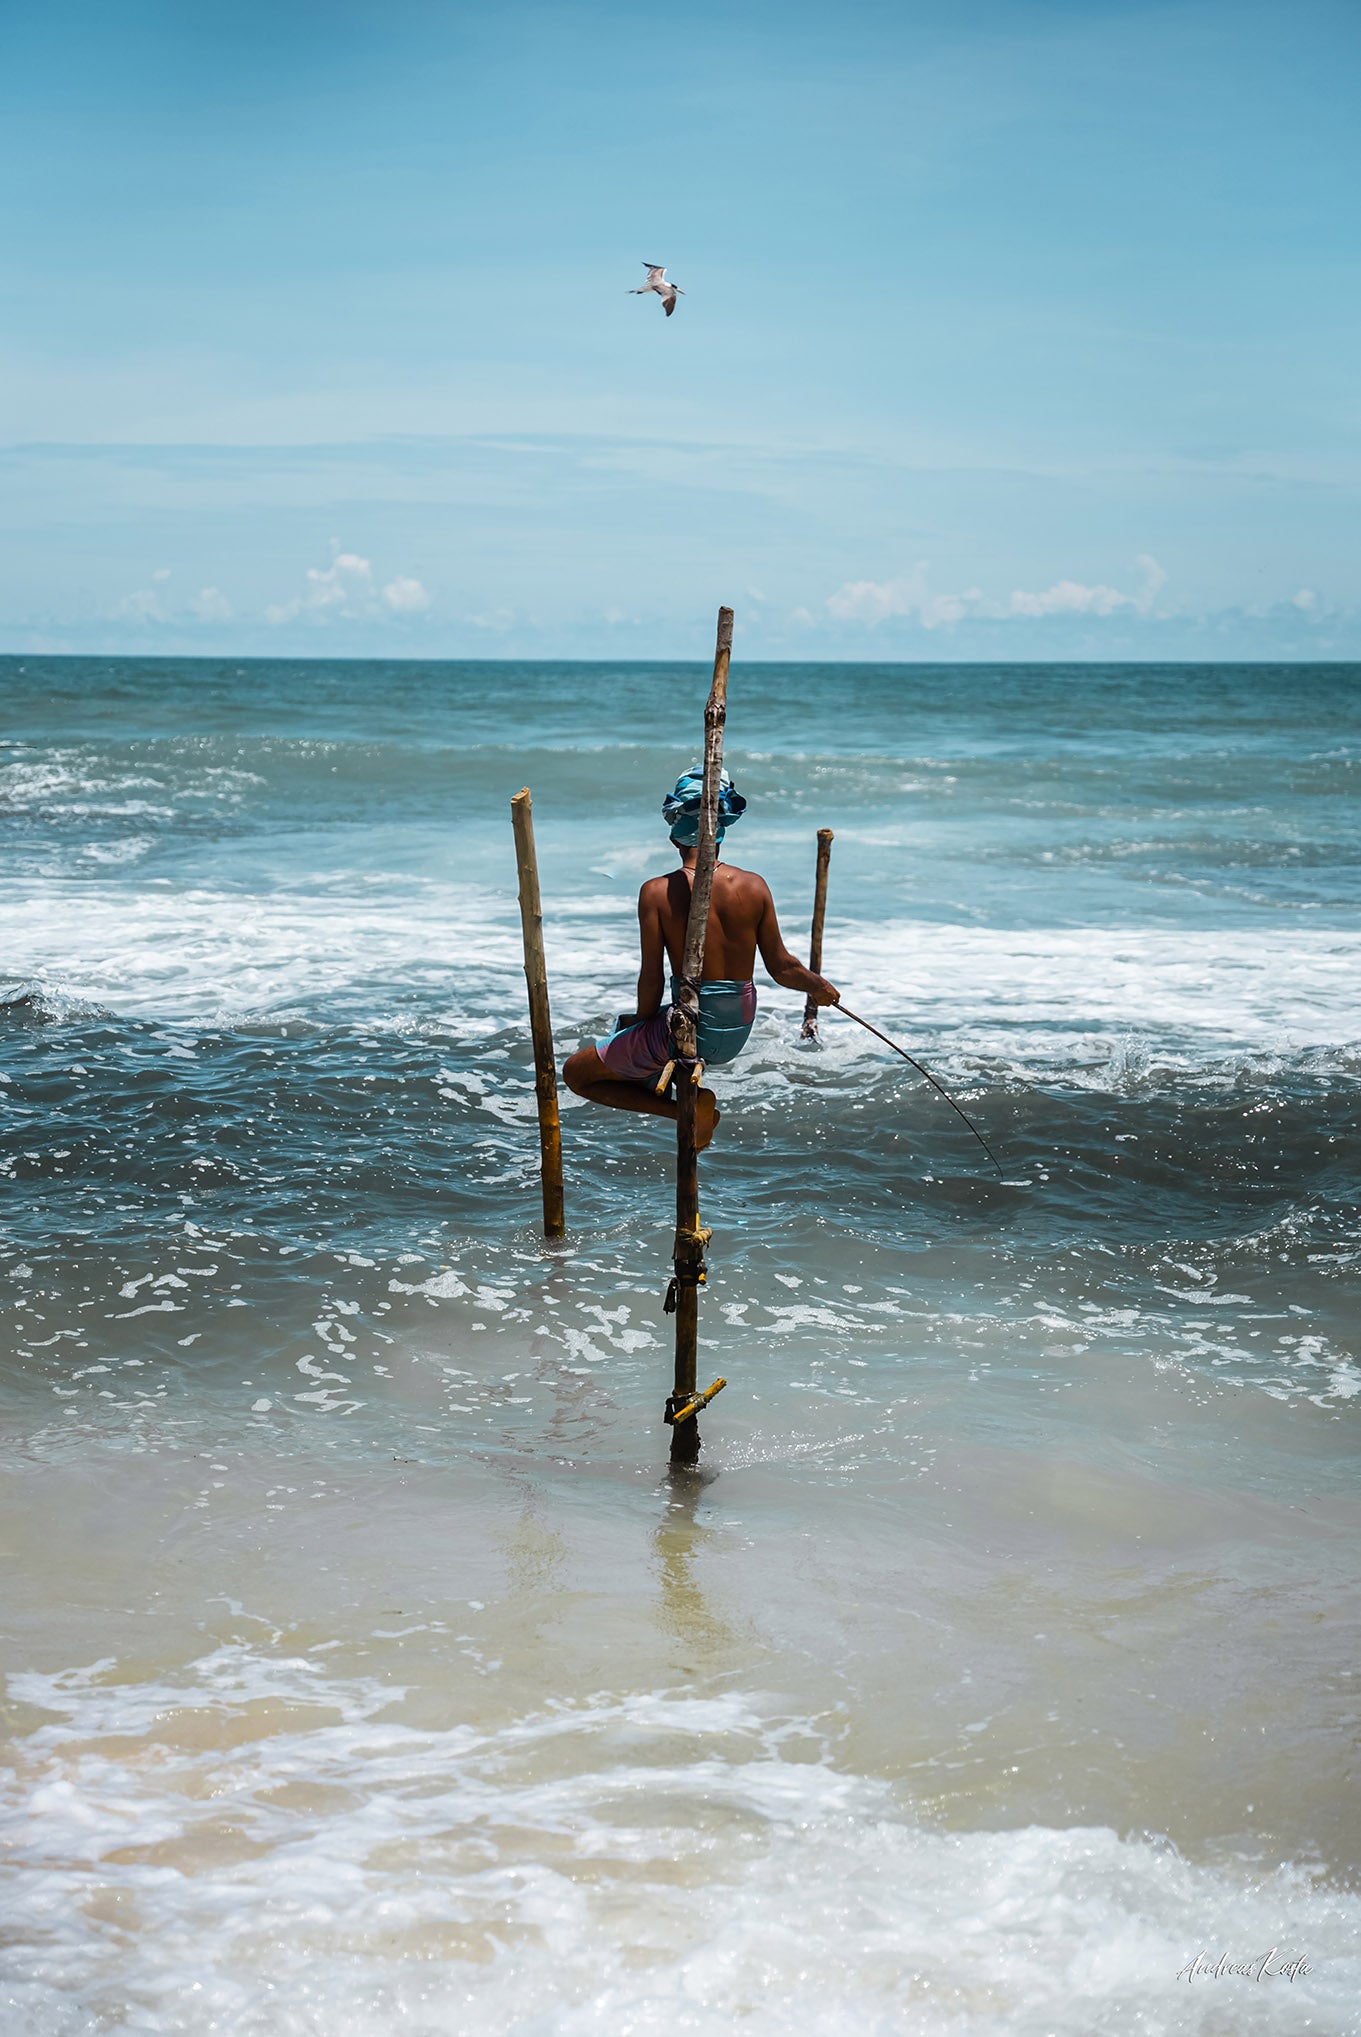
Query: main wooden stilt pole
[
  {"x": 540, "y": 1023},
  {"x": 810, "y": 1010},
  {"x": 688, "y": 1258}
]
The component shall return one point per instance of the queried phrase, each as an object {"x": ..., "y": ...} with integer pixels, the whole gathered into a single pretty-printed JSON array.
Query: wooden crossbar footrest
[{"x": 692, "y": 1407}]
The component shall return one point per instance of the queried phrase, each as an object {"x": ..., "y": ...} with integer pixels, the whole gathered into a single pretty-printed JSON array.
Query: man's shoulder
[
  {"x": 656, "y": 889},
  {"x": 746, "y": 880}
]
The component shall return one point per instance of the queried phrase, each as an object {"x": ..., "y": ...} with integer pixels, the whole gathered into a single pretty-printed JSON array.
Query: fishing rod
[{"x": 929, "y": 1077}]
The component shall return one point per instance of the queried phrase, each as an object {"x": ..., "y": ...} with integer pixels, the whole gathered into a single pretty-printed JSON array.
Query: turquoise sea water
[{"x": 363, "y": 1661}]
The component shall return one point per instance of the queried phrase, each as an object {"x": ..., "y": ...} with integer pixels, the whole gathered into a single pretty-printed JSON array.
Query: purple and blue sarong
[{"x": 727, "y": 1013}]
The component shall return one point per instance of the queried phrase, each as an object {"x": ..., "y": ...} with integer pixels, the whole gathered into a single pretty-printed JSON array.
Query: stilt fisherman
[{"x": 623, "y": 1069}]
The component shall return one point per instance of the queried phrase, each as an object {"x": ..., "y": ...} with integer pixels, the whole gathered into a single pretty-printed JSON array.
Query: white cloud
[
  {"x": 346, "y": 591},
  {"x": 864, "y": 601},
  {"x": 1155, "y": 579},
  {"x": 151, "y": 604},
  {"x": 940, "y": 608},
  {"x": 1069, "y": 597},
  {"x": 144, "y": 605},
  {"x": 1305, "y": 599},
  {"x": 404, "y": 596},
  {"x": 874, "y": 601}
]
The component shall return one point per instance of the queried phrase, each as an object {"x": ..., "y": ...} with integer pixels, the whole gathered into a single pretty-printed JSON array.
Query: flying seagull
[{"x": 656, "y": 280}]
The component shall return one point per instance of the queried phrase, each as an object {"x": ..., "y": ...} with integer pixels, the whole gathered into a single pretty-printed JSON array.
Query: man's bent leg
[{"x": 586, "y": 1075}]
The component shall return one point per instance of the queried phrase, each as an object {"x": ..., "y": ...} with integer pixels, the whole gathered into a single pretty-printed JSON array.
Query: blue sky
[{"x": 1013, "y": 330}]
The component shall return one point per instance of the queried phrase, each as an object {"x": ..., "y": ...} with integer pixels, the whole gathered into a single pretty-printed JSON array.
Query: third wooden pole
[{"x": 810, "y": 1010}]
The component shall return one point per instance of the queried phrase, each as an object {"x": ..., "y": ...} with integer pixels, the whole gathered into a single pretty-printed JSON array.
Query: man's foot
[{"x": 707, "y": 1115}]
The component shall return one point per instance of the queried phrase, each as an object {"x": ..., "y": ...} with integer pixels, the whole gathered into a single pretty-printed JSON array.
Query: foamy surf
[
  {"x": 297, "y": 1859},
  {"x": 1035, "y": 998}
]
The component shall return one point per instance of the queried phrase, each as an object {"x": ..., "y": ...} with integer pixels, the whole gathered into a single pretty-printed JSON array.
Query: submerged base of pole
[{"x": 685, "y": 1443}]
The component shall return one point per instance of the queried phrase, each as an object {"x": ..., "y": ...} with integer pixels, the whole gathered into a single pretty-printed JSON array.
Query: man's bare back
[{"x": 742, "y": 920}]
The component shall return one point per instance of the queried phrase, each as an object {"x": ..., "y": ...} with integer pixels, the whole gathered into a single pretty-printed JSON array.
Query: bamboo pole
[
  {"x": 688, "y": 1255},
  {"x": 540, "y": 1023},
  {"x": 810, "y": 1010}
]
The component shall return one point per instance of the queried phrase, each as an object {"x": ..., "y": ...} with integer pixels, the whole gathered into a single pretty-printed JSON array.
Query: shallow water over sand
[{"x": 364, "y": 1663}]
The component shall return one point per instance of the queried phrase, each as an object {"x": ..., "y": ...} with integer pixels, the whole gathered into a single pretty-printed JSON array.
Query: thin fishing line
[{"x": 957, "y": 1108}]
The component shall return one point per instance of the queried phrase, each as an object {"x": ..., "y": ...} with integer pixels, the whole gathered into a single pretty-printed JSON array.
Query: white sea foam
[
  {"x": 251, "y": 1844},
  {"x": 1100, "y": 998},
  {"x": 1209, "y": 988},
  {"x": 77, "y": 783}
]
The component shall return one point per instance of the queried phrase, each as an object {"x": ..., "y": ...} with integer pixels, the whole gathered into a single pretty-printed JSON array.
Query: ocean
[{"x": 365, "y": 1666}]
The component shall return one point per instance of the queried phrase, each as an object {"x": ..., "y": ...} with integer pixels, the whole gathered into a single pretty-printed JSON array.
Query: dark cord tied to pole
[{"x": 939, "y": 1087}]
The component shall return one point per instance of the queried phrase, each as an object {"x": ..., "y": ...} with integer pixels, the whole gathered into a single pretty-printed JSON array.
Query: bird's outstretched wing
[
  {"x": 656, "y": 272},
  {"x": 669, "y": 301}
]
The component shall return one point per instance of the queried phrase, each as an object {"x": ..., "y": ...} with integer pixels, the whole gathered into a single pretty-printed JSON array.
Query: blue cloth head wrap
[{"x": 680, "y": 809}]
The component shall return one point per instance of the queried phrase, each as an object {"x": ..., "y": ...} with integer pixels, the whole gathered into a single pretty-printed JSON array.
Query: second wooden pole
[{"x": 540, "y": 1022}]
